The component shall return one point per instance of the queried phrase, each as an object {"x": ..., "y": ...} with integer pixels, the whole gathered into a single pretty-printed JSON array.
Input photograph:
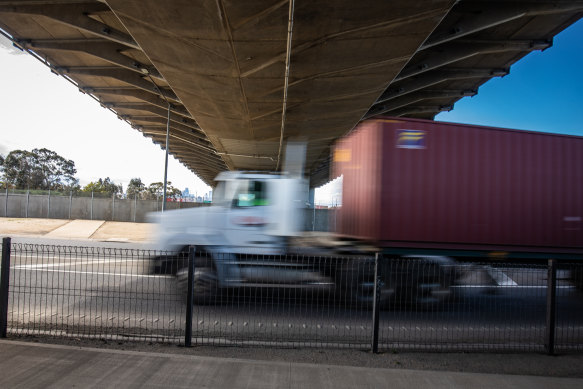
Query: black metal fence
[{"x": 381, "y": 303}]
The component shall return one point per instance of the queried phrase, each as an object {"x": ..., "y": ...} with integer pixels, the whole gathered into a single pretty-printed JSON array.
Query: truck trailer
[{"x": 420, "y": 186}]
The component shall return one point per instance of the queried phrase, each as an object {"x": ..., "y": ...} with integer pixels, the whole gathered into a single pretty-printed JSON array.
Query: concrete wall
[{"x": 21, "y": 205}]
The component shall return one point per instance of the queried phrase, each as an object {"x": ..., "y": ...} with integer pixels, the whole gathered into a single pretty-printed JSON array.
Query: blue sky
[{"x": 543, "y": 92}]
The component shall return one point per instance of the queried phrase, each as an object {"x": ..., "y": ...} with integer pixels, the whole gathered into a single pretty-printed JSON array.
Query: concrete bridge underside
[{"x": 242, "y": 77}]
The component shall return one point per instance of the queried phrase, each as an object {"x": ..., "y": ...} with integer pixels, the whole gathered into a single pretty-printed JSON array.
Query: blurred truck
[{"x": 423, "y": 191}]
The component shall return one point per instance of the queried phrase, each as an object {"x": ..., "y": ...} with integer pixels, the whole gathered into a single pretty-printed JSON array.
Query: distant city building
[
  {"x": 187, "y": 196},
  {"x": 208, "y": 197}
]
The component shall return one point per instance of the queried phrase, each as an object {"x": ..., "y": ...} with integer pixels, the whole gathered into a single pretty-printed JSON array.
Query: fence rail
[{"x": 345, "y": 302}]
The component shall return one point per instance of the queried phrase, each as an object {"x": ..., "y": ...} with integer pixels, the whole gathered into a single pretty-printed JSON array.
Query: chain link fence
[{"x": 359, "y": 302}]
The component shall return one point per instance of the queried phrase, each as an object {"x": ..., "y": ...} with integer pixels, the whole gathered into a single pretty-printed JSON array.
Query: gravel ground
[
  {"x": 29, "y": 227},
  {"x": 565, "y": 365}
]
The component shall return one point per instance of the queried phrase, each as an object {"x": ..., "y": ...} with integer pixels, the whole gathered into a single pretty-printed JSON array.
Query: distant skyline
[{"x": 543, "y": 92}]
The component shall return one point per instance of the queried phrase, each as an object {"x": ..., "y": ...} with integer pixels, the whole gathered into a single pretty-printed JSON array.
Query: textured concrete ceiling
[{"x": 243, "y": 77}]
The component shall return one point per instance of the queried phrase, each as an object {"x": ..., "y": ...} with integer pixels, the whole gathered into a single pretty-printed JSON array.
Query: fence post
[
  {"x": 314, "y": 219},
  {"x": 70, "y": 202},
  {"x": 376, "y": 305},
  {"x": 189, "y": 299},
  {"x": 4, "y": 280},
  {"x": 551, "y": 306},
  {"x": 27, "y": 201}
]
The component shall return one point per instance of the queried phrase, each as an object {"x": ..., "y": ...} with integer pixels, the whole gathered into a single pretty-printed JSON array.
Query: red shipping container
[{"x": 411, "y": 183}]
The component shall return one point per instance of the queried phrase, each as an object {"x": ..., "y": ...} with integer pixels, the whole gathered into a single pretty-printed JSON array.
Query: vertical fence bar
[
  {"x": 4, "y": 280},
  {"x": 27, "y": 202},
  {"x": 551, "y": 306},
  {"x": 189, "y": 299},
  {"x": 376, "y": 306},
  {"x": 314, "y": 219},
  {"x": 70, "y": 203}
]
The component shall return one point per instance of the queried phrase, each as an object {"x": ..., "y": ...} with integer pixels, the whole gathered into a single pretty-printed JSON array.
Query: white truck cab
[{"x": 251, "y": 213}]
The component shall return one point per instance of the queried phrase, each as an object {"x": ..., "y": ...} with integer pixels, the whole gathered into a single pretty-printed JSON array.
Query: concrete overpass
[{"x": 236, "y": 79}]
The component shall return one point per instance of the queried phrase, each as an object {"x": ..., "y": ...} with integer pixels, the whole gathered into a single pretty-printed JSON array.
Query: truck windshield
[{"x": 250, "y": 194}]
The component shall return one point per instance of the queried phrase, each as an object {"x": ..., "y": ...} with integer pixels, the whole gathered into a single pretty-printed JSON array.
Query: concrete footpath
[
  {"x": 98, "y": 230},
  {"x": 31, "y": 365}
]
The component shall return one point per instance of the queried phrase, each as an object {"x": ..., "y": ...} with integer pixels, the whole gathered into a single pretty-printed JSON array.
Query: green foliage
[
  {"x": 104, "y": 186},
  {"x": 156, "y": 189},
  {"x": 38, "y": 169},
  {"x": 136, "y": 188}
]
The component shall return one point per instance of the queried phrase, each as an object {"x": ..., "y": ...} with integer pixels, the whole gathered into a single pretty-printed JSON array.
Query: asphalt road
[{"x": 105, "y": 289}]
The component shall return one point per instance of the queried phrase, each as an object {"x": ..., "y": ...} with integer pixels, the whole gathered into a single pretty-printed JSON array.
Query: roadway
[{"x": 85, "y": 292}]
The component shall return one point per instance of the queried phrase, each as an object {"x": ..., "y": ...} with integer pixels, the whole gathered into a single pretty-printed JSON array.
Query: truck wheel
[
  {"x": 431, "y": 286},
  {"x": 422, "y": 283},
  {"x": 168, "y": 264},
  {"x": 577, "y": 276},
  {"x": 431, "y": 292},
  {"x": 355, "y": 283},
  {"x": 206, "y": 285}
]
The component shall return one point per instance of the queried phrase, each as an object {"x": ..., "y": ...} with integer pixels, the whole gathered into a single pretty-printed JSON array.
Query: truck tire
[
  {"x": 355, "y": 282},
  {"x": 577, "y": 276},
  {"x": 169, "y": 264},
  {"x": 206, "y": 287},
  {"x": 427, "y": 286}
]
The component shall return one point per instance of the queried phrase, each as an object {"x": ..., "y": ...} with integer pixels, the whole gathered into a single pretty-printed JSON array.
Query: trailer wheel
[
  {"x": 355, "y": 282},
  {"x": 431, "y": 292},
  {"x": 431, "y": 288},
  {"x": 206, "y": 286},
  {"x": 577, "y": 276}
]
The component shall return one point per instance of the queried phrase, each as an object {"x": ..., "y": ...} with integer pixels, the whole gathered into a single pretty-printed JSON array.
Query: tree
[
  {"x": 104, "y": 186},
  {"x": 136, "y": 188},
  {"x": 39, "y": 169},
  {"x": 18, "y": 169},
  {"x": 172, "y": 192},
  {"x": 156, "y": 189},
  {"x": 3, "y": 182},
  {"x": 56, "y": 171}
]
